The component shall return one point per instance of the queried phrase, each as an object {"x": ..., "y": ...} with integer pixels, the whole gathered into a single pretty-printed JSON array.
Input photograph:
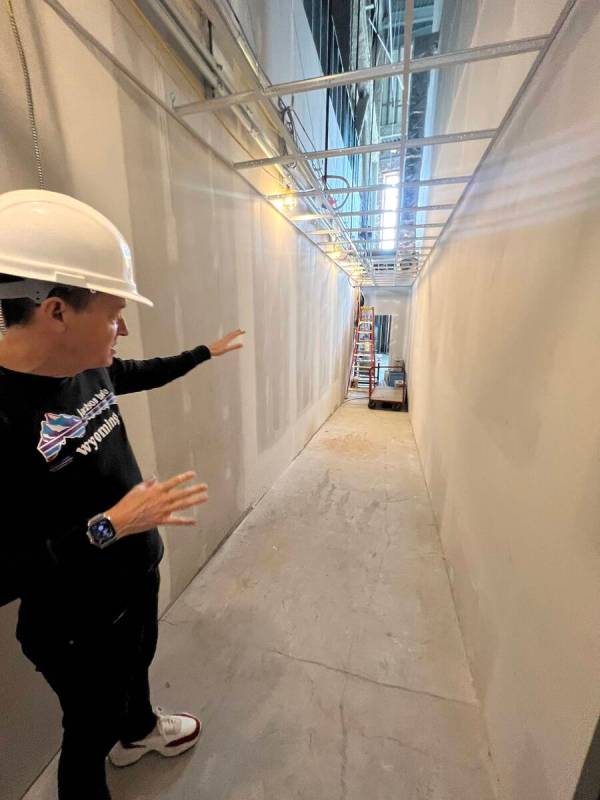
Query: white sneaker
[{"x": 173, "y": 734}]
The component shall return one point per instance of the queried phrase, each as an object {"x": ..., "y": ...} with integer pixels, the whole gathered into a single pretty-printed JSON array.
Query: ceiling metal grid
[{"x": 366, "y": 215}]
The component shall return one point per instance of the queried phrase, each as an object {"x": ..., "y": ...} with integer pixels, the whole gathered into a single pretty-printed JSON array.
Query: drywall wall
[
  {"x": 504, "y": 400},
  {"x": 397, "y": 303},
  {"x": 213, "y": 255}
]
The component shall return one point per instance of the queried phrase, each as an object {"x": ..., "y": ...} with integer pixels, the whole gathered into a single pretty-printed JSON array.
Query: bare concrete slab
[{"x": 320, "y": 645}]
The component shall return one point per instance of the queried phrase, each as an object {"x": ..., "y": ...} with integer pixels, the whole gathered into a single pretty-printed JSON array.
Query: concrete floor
[{"x": 321, "y": 645}]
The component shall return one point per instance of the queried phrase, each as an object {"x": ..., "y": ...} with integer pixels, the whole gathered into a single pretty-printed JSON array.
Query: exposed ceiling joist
[
  {"x": 339, "y": 152},
  {"x": 331, "y": 232},
  {"x": 409, "y": 9},
  {"x": 483, "y": 53},
  {"x": 377, "y": 187}
]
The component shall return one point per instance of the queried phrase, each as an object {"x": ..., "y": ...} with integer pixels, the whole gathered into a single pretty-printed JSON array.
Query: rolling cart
[{"x": 388, "y": 396}]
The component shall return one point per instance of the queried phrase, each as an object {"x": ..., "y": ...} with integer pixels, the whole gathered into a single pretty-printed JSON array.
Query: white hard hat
[{"x": 49, "y": 238}]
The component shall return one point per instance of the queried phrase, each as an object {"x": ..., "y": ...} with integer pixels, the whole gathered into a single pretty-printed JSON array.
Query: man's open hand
[
  {"x": 153, "y": 503},
  {"x": 227, "y": 344}
]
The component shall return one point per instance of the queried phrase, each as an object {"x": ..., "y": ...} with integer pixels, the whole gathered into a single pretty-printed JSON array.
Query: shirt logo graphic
[{"x": 56, "y": 429}]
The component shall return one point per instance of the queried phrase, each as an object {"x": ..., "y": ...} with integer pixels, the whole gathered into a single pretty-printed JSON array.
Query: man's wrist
[
  {"x": 118, "y": 522},
  {"x": 202, "y": 353}
]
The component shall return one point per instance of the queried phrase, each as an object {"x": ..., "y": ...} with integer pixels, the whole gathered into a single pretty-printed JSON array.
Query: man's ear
[{"x": 53, "y": 308}]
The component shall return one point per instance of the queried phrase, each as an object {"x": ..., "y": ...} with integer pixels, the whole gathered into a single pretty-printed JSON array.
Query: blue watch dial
[{"x": 102, "y": 531}]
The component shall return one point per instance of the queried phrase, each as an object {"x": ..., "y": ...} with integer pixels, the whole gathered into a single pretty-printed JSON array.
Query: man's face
[{"x": 93, "y": 332}]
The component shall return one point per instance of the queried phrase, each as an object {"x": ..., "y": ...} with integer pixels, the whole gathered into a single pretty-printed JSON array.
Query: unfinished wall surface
[
  {"x": 504, "y": 390},
  {"x": 213, "y": 256}
]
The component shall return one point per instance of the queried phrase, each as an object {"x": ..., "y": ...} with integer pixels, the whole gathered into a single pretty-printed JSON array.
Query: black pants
[{"x": 101, "y": 679}]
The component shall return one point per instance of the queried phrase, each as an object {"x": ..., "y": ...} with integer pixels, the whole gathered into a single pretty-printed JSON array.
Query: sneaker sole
[{"x": 136, "y": 753}]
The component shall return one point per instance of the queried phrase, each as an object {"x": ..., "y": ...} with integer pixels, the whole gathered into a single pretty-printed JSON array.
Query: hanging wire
[
  {"x": 31, "y": 113},
  {"x": 290, "y": 117},
  {"x": 28, "y": 93},
  {"x": 336, "y": 205}
]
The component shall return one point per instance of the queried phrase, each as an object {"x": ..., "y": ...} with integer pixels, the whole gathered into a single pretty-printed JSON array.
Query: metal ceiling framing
[
  {"x": 379, "y": 211},
  {"x": 361, "y": 251},
  {"x": 409, "y": 10},
  {"x": 413, "y": 226},
  {"x": 334, "y": 227},
  {"x": 362, "y": 149},
  {"x": 377, "y": 187},
  {"x": 255, "y": 104},
  {"x": 424, "y": 64}
]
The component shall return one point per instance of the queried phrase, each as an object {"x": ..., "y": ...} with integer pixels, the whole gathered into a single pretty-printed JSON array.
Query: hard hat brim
[
  {"x": 66, "y": 277},
  {"x": 136, "y": 298}
]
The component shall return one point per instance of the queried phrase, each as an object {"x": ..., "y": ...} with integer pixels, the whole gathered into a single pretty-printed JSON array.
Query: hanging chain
[
  {"x": 28, "y": 93},
  {"x": 31, "y": 114}
]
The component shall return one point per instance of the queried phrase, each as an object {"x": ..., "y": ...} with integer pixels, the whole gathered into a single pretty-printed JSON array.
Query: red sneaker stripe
[{"x": 191, "y": 736}]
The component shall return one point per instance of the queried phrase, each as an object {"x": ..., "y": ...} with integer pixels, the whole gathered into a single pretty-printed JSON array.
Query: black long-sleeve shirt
[{"x": 65, "y": 456}]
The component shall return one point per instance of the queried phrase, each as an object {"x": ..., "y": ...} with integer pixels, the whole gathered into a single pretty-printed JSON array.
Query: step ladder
[{"x": 363, "y": 352}]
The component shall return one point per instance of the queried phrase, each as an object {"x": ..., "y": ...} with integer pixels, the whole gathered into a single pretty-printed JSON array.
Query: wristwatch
[{"x": 100, "y": 531}]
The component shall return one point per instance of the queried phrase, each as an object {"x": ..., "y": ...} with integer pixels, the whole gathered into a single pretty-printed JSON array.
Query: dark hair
[{"x": 20, "y": 311}]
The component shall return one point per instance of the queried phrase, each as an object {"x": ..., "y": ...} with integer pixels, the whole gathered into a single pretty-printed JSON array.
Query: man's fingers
[
  {"x": 176, "y": 480},
  {"x": 234, "y": 334},
  {"x": 178, "y": 521},
  {"x": 231, "y": 336},
  {"x": 223, "y": 345},
  {"x": 190, "y": 500},
  {"x": 194, "y": 500},
  {"x": 181, "y": 494}
]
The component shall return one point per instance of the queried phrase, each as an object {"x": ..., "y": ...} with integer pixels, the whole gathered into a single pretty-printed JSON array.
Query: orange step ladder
[{"x": 363, "y": 352}]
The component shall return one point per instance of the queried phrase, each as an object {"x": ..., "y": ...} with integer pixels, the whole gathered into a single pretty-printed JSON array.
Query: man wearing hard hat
[{"x": 80, "y": 546}]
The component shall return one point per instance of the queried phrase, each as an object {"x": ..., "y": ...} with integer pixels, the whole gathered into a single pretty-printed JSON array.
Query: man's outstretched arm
[{"x": 139, "y": 376}]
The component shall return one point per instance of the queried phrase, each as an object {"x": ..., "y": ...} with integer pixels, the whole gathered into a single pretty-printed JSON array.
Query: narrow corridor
[{"x": 321, "y": 645}]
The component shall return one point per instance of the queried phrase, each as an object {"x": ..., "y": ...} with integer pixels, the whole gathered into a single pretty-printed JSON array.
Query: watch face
[{"x": 102, "y": 531}]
